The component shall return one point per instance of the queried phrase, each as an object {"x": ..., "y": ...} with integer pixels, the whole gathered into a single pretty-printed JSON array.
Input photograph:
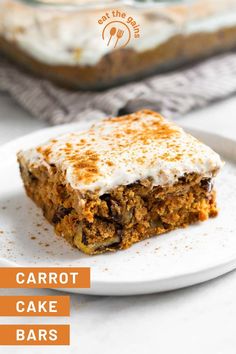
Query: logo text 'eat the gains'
[{"x": 118, "y": 28}]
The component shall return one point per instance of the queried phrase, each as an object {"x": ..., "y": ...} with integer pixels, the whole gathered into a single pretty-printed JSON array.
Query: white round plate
[{"x": 178, "y": 259}]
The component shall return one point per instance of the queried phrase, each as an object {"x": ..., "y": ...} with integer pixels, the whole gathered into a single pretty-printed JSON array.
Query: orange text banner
[
  {"x": 34, "y": 306},
  {"x": 34, "y": 334},
  {"x": 44, "y": 277}
]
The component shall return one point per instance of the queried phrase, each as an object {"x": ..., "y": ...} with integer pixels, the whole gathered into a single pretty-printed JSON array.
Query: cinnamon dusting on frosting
[
  {"x": 123, "y": 150},
  {"x": 85, "y": 165}
]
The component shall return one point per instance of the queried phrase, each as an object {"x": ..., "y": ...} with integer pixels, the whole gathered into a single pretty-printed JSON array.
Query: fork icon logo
[{"x": 116, "y": 34}]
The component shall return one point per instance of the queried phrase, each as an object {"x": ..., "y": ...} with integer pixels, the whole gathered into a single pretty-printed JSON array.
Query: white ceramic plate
[{"x": 180, "y": 258}]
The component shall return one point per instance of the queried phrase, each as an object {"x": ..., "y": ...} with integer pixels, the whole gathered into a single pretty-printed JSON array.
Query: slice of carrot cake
[{"x": 123, "y": 180}]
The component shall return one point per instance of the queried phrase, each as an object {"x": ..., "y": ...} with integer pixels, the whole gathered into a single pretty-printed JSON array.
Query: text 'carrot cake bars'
[{"x": 123, "y": 180}]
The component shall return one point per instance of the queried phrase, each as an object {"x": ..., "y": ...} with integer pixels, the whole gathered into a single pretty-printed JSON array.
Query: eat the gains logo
[{"x": 118, "y": 28}]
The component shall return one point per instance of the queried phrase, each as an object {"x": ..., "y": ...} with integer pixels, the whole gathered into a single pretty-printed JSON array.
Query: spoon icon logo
[
  {"x": 112, "y": 33},
  {"x": 116, "y": 34}
]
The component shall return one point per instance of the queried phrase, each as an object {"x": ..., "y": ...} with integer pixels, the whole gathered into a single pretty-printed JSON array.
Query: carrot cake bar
[
  {"x": 123, "y": 180},
  {"x": 67, "y": 46}
]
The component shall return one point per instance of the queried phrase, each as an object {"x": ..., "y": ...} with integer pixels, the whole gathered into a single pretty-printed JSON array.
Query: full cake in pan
[
  {"x": 123, "y": 180},
  {"x": 67, "y": 46}
]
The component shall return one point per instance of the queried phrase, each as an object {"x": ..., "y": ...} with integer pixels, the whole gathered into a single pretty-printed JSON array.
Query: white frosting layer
[
  {"x": 75, "y": 38},
  {"x": 212, "y": 24},
  {"x": 123, "y": 150}
]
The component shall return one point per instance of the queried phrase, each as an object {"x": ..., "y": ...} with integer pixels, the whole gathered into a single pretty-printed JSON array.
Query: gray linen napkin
[{"x": 172, "y": 94}]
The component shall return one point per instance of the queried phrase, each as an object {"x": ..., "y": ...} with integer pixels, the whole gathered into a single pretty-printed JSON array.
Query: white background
[{"x": 196, "y": 320}]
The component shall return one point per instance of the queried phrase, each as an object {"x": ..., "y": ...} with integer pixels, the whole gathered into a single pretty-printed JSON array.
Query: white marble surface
[{"x": 196, "y": 320}]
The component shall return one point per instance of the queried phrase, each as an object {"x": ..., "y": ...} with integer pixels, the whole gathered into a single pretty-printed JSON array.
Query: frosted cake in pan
[
  {"x": 123, "y": 180},
  {"x": 67, "y": 46}
]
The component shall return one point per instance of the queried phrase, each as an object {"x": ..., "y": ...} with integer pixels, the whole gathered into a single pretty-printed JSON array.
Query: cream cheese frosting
[
  {"x": 124, "y": 150},
  {"x": 74, "y": 38}
]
